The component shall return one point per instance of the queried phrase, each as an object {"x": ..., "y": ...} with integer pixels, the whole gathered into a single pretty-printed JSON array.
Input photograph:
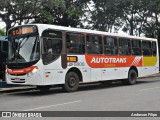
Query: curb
[
  {"x": 16, "y": 88},
  {"x": 4, "y": 87},
  {"x": 155, "y": 75}
]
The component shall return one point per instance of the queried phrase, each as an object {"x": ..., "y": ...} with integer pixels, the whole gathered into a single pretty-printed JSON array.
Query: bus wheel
[
  {"x": 71, "y": 82},
  {"x": 43, "y": 88},
  {"x": 132, "y": 78}
]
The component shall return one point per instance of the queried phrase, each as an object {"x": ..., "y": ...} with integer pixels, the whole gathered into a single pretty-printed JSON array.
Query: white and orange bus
[{"x": 46, "y": 55}]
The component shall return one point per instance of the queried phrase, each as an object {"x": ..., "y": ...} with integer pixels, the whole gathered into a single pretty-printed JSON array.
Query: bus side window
[
  {"x": 124, "y": 46},
  {"x": 110, "y": 46},
  {"x": 146, "y": 48},
  {"x": 136, "y": 47},
  {"x": 52, "y": 45},
  {"x": 94, "y": 44},
  {"x": 154, "y": 49},
  {"x": 75, "y": 43}
]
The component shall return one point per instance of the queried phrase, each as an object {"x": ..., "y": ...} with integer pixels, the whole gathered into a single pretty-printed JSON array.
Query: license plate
[{"x": 17, "y": 79}]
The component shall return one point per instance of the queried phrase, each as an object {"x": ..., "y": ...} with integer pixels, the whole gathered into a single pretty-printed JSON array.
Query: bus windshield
[{"x": 23, "y": 49}]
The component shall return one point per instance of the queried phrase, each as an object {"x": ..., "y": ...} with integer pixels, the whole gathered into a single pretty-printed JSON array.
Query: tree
[
  {"x": 134, "y": 15},
  {"x": 152, "y": 26},
  {"x": 70, "y": 15},
  {"x": 2, "y": 32},
  {"x": 46, "y": 10},
  {"x": 106, "y": 14},
  {"x": 18, "y": 11}
]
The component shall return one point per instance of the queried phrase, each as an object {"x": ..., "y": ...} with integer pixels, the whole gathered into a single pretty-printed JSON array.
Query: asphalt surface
[{"x": 144, "y": 96}]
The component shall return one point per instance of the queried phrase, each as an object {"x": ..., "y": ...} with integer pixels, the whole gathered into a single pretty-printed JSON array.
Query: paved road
[{"x": 144, "y": 96}]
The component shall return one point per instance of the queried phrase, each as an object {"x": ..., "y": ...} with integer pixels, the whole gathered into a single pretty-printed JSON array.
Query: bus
[
  {"x": 46, "y": 55},
  {"x": 3, "y": 56}
]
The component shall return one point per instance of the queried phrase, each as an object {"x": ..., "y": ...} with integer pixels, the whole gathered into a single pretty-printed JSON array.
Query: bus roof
[{"x": 42, "y": 27}]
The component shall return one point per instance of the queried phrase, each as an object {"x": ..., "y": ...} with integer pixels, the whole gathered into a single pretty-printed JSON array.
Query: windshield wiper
[
  {"x": 22, "y": 43},
  {"x": 17, "y": 49}
]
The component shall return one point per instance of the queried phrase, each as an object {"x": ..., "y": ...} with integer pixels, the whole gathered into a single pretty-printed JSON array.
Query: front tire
[{"x": 71, "y": 82}]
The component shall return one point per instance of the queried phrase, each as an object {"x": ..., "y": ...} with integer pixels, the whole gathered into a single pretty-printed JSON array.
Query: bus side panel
[
  {"x": 114, "y": 73},
  {"x": 150, "y": 66},
  {"x": 146, "y": 71},
  {"x": 82, "y": 66},
  {"x": 55, "y": 74}
]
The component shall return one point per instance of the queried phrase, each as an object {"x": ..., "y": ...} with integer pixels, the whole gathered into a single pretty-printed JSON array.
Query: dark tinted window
[
  {"x": 136, "y": 47},
  {"x": 110, "y": 46},
  {"x": 94, "y": 44},
  {"x": 4, "y": 46},
  {"x": 52, "y": 46},
  {"x": 0, "y": 46},
  {"x": 146, "y": 48},
  {"x": 75, "y": 43},
  {"x": 3, "y": 55},
  {"x": 124, "y": 46},
  {"x": 154, "y": 48}
]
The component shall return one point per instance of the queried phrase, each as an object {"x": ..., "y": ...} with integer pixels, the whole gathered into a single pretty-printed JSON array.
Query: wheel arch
[
  {"x": 76, "y": 70},
  {"x": 134, "y": 68}
]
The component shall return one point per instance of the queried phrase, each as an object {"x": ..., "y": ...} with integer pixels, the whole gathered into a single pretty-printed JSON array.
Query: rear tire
[
  {"x": 132, "y": 78},
  {"x": 71, "y": 82}
]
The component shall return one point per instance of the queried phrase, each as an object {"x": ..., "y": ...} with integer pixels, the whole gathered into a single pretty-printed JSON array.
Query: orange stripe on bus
[{"x": 103, "y": 61}]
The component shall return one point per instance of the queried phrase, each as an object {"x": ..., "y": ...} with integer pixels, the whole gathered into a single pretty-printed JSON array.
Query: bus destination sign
[{"x": 22, "y": 30}]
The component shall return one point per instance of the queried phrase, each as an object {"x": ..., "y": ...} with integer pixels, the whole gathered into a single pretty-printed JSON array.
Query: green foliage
[
  {"x": 18, "y": 11},
  {"x": 136, "y": 16},
  {"x": 2, "y": 32},
  {"x": 60, "y": 12},
  {"x": 106, "y": 14},
  {"x": 68, "y": 15},
  {"x": 152, "y": 26}
]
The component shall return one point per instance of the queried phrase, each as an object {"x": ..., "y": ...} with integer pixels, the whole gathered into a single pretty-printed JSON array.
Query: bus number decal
[{"x": 76, "y": 64}]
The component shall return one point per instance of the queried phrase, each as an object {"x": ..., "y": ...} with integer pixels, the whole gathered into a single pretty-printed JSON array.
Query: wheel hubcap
[{"x": 72, "y": 82}]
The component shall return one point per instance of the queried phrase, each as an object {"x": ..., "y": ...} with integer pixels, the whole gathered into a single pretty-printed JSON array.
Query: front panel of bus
[{"x": 24, "y": 65}]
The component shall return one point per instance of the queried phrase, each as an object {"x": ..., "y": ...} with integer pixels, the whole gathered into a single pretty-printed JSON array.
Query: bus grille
[
  {"x": 18, "y": 74},
  {"x": 18, "y": 81}
]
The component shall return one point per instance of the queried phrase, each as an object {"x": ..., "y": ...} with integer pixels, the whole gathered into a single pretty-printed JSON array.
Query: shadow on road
[{"x": 83, "y": 87}]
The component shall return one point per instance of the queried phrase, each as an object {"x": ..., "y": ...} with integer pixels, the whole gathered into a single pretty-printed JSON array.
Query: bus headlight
[{"x": 35, "y": 70}]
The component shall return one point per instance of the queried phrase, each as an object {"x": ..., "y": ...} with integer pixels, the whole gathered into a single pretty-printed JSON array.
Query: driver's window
[{"x": 52, "y": 45}]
